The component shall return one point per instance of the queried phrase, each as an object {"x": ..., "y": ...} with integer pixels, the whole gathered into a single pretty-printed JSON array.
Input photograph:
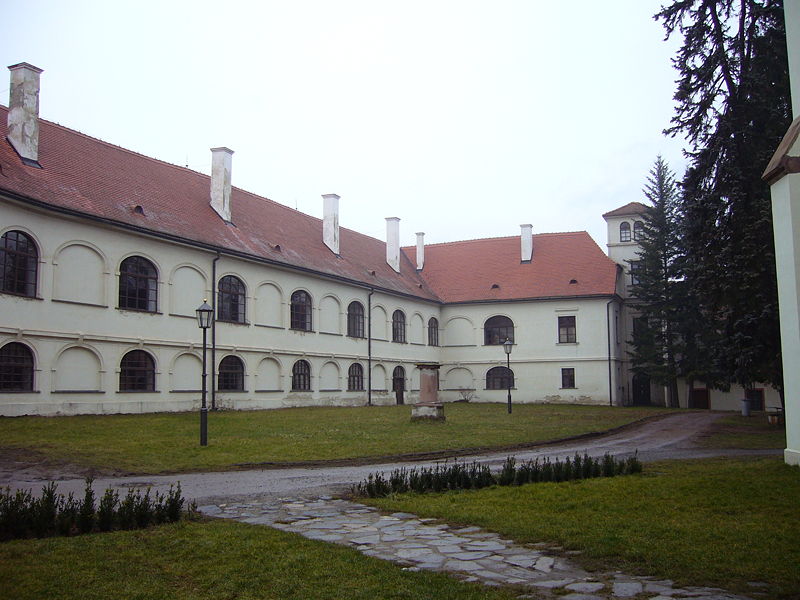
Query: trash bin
[{"x": 745, "y": 407}]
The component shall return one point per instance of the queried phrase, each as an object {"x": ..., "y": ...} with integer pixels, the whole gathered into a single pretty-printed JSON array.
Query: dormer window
[{"x": 624, "y": 232}]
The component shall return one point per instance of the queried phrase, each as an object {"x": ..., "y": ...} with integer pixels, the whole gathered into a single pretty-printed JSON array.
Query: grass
[
  {"x": 736, "y": 431},
  {"x": 719, "y": 522},
  {"x": 168, "y": 442},
  {"x": 212, "y": 560}
]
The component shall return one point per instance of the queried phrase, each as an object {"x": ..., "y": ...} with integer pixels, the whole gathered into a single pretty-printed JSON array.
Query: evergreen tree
[
  {"x": 657, "y": 287},
  {"x": 733, "y": 106}
]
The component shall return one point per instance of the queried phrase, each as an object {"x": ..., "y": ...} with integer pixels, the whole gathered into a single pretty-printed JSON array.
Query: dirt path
[{"x": 669, "y": 437}]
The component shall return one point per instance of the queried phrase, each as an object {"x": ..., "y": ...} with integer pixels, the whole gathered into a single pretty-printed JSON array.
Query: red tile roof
[
  {"x": 631, "y": 208},
  {"x": 466, "y": 271},
  {"x": 85, "y": 175}
]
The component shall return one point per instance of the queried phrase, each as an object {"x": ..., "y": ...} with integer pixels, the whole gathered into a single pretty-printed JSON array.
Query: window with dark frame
[
  {"x": 433, "y": 331},
  {"x": 398, "y": 326},
  {"x": 497, "y": 329},
  {"x": 137, "y": 372},
  {"x": 624, "y": 232},
  {"x": 638, "y": 230},
  {"x": 301, "y": 311},
  {"x": 355, "y": 378},
  {"x": 636, "y": 270},
  {"x": 231, "y": 299},
  {"x": 566, "y": 330},
  {"x": 355, "y": 320},
  {"x": 301, "y": 377},
  {"x": 230, "y": 375},
  {"x": 138, "y": 284},
  {"x": 499, "y": 378},
  {"x": 568, "y": 378},
  {"x": 16, "y": 368},
  {"x": 19, "y": 262}
]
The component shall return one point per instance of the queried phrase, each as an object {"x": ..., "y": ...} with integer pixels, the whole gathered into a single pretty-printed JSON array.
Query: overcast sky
[{"x": 465, "y": 119}]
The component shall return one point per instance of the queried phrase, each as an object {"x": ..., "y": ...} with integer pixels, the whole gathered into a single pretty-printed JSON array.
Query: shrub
[
  {"x": 22, "y": 515},
  {"x": 458, "y": 476}
]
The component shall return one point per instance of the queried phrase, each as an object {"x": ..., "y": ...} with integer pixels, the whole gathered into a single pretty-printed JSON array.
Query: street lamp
[
  {"x": 205, "y": 314},
  {"x": 507, "y": 346}
]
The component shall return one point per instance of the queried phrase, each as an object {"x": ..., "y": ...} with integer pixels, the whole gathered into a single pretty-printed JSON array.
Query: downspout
[
  {"x": 369, "y": 346},
  {"x": 214, "y": 332},
  {"x": 608, "y": 327}
]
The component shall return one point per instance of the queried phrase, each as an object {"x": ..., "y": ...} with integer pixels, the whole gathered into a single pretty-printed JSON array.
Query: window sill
[
  {"x": 78, "y": 392},
  {"x": 139, "y": 311},
  {"x": 356, "y": 390},
  {"x": 568, "y": 388},
  {"x": 20, "y": 392},
  {"x": 300, "y": 391},
  {"x": 23, "y": 296},
  {"x": 398, "y": 342},
  {"x": 301, "y": 330},
  {"x": 356, "y": 337},
  {"x": 566, "y": 343},
  {"x": 138, "y": 391},
  {"x": 233, "y": 322},
  {"x": 231, "y": 391},
  {"x": 331, "y": 390},
  {"x": 186, "y": 391},
  {"x": 267, "y": 391},
  {"x": 497, "y": 389}
]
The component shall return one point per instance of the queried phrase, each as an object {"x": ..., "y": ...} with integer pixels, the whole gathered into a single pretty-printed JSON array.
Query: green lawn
[
  {"x": 736, "y": 431},
  {"x": 212, "y": 560},
  {"x": 169, "y": 442},
  {"x": 722, "y": 522}
]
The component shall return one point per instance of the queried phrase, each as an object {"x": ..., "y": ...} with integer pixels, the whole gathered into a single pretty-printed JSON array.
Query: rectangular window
[
  {"x": 756, "y": 398},
  {"x": 636, "y": 269},
  {"x": 566, "y": 330},
  {"x": 568, "y": 378}
]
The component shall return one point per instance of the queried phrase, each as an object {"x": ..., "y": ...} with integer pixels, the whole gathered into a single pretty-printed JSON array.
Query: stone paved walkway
[{"x": 467, "y": 552}]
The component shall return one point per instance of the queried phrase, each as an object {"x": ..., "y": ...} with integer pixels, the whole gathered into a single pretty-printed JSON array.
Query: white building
[{"x": 106, "y": 254}]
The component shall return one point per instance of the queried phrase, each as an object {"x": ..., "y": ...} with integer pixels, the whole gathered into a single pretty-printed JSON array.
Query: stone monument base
[{"x": 432, "y": 411}]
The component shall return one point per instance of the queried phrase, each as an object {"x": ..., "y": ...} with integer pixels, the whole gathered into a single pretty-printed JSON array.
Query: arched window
[
  {"x": 301, "y": 376},
  {"x": 398, "y": 326},
  {"x": 638, "y": 230},
  {"x": 355, "y": 378},
  {"x": 433, "y": 331},
  {"x": 230, "y": 376},
  {"x": 497, "y": 329},
  {"x": 231, "y": 299},
  {"x": 355, "y": 320},
  {"x": 16, "y": 368},
  {"x": 301, "y": 311},
  {"x": 499, "y": 378},
  {"x": 137, "y": 372},
  {"x": 19, "y": 261},
  {"x": 138, "y": 284},
  {"x": 624, "y": 232}
]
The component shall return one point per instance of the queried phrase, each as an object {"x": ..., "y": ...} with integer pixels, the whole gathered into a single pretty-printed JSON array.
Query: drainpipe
[
  {"x": 608, "y": 327},
  {"x": 369, "y": 346},
  {"x": 214, "y": 332}
]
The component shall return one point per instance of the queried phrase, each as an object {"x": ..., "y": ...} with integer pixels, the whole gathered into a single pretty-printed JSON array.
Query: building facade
[{"x": 106, "y": 255}]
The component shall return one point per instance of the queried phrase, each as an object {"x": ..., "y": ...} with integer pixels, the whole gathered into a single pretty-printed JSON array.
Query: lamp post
[
  {"x": 205, "y": 314},
  {"x": 507, "y": 346}
]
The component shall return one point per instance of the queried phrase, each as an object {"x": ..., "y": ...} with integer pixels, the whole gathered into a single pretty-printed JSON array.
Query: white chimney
[
  {"x": 393, "y": 242},
  {"x": 23, "y": 112},
  {"x": 420, "y": 250},
  {"x": 526, "y": 242},
  {"x": 221, "y": 181},
  {"x": 330, "y": 222}
]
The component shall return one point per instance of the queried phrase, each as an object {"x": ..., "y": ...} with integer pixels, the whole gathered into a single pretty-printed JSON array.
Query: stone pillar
[{"x": 428, "y": 406}]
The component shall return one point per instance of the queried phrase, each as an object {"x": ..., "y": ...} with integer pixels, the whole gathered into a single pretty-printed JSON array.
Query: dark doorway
[
  {"x": 641, "y": 390},
  {"x": 756, "y": 398},
  {"x": 699, "y": 398},
  {"x": 399, "y": 384}
]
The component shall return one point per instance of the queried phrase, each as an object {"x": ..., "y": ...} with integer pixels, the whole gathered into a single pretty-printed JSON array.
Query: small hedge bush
[
  {"x": 22, "y": 515},
  {"x": 460, "y": 476}
]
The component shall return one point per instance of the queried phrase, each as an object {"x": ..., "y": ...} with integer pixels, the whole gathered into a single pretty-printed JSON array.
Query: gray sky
[{"x": 462, "y": 118}]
